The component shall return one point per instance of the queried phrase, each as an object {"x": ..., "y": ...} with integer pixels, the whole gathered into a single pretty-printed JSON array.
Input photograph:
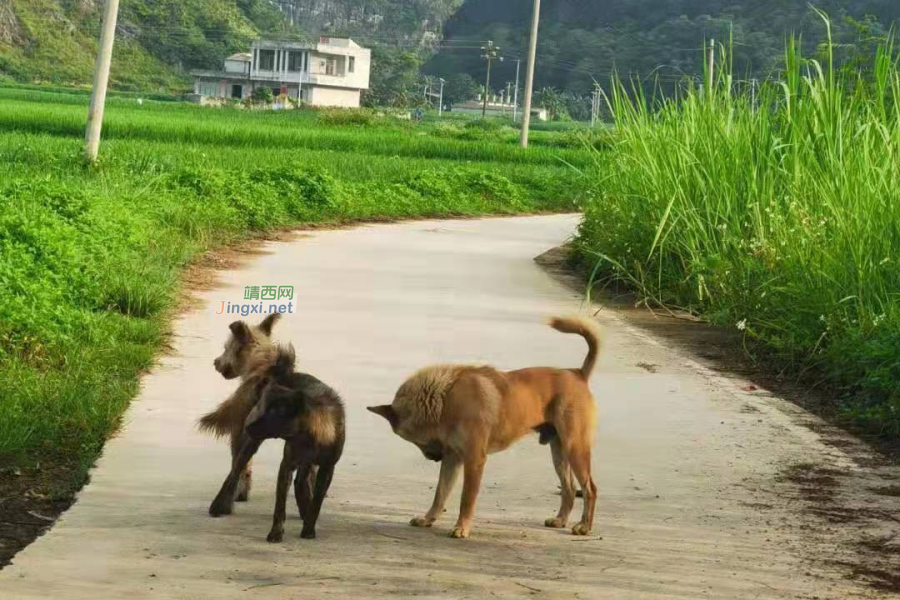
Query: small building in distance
[{"x": 332, "y": 72}]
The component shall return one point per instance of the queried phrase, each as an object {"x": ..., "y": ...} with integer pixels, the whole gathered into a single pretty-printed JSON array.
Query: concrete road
[{"x": 690, "y": 467}]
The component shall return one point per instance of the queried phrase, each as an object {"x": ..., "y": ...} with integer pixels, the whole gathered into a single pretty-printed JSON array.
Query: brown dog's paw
[
  {"x": 275, "y": 536},
  {"x": 220, "y": 508},
  {"x": 459, "y": 533},
  {"x": 581, "y": 529},
  {"x": 421, "y": 522},
  {"x": 555, "y": 523},
  {"x": 308, "y": 534}
]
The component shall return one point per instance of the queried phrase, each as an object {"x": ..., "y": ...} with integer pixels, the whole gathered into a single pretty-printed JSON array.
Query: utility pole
[
  {"x": 101, "y": 81},
  {"x": 595, "y": 104},
  {"x": 529, "y": 74},
  {"x": 712, "y": 65},
  {"x": 491, "y": 53},
  {"x": 516, "y": 98},
  {"x": 508, "y": 93},
  {"x": 441, "y": 101},
  {"x": 753, "y": 84}
]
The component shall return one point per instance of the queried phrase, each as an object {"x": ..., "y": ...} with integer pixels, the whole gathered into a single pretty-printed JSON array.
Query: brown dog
[
  {"x": 459, "y": 414},
  {"x": 249, "y": 354}
]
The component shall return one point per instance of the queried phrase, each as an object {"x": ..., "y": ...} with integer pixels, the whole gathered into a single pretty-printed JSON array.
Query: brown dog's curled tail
[
  {"x": 587, "y": 329},
  {"x": 220, "y": 422}
]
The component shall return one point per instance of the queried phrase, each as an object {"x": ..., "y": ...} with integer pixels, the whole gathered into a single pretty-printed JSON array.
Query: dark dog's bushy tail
[{"x": 591, "y": 333}]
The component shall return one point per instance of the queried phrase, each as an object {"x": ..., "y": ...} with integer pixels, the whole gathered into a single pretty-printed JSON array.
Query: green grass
[
  {"x": 781, "y": 220},
  {"x": 91, "y": 257}
]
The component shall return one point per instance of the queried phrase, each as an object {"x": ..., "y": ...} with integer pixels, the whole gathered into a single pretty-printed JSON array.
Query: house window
[
  {"x": 351, "y": 64},
  {"x": 329, "y": 67},
  {"x": 295, "y": 62},
  {"x": 266, "y": 60},
  {"x": 237, "y": 92}
]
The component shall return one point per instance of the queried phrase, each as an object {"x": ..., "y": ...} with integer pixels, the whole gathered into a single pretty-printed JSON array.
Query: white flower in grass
[
  {"x": 878, "y": 319},
  {"x": 822, "y": 318},
  {"x": 742, "y": 325}
]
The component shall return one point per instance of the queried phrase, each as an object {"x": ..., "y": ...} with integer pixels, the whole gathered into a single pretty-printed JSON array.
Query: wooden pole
[
  {"x": 101, "y": 81},
  {"x": 529, "y": 73}
]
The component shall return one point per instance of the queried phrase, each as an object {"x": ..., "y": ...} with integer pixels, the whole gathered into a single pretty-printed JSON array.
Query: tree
[
  {"x": 460, "y": 88},
  {"x": 554, "y": 102},
  {"x": 395, "y": 79},
  {"x": 262, "y": 95}
]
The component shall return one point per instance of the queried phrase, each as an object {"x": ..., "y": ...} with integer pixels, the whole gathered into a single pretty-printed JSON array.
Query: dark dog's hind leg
[
  {"x": 285, "y": 472},
  {"x": 323, "y": 482},
  {"x": 303, "y": 488}
]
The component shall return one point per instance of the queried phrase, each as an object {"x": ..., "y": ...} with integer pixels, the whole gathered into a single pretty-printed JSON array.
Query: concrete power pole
[
  {"x": 712, "y": 65},
  {"x": 516, "y": 98},
  {"x": 491, "y": 53},
  {"x": 101, "y": 81},
  {"x": 441, "y": 101},
  {"x": 529, "y": 73}
]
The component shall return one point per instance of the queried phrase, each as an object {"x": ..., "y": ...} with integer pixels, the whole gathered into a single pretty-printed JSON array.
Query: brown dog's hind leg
[
  {"x": 472, "y": 472},
  {"x": 303, "y": 488},
  {"x": 566, "y": 486},
  {"x": 285, "y": 472},
  {"x": 580, "y": 459},
  {"x": 450, "y": 466},
  {"x": 242, "y": 493}
]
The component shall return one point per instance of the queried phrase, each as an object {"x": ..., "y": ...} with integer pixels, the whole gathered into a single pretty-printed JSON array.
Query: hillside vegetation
[{"x": 159, "y": 41}]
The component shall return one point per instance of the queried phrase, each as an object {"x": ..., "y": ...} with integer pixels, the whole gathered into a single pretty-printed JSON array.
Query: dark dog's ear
[
  {"x": 240, "y": 331},
  {"x": 387, "y": 411},
  {"x": 268, "y": 323}
]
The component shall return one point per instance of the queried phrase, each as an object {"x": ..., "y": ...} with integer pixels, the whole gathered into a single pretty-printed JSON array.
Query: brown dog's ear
[
  {"x": 240, "y": 331},
  {"x": 268, "y": 323},
  {"x": 387, "y": 411}
]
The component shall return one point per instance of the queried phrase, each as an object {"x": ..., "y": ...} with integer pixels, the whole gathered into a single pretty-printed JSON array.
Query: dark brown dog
[
  {"x": 459, "y": 414},
  {"x": 309, "y": 416},
  {"x": 249, "y": 354}
]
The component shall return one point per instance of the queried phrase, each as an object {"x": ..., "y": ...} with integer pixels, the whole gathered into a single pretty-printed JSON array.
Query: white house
[{"x": 333, "y": 72}]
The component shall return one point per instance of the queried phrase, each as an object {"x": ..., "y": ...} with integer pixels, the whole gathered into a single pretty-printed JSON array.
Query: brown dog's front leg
[
  {"x": 285, "y": 472},
  {"x": 449, "y": 474},
  {"x": 474, "y": 469},
  {"x": 224, "y": 502}
]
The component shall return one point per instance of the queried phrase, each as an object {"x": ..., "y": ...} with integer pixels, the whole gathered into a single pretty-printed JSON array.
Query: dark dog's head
[
  {"x": 276, "y": 414},
  {"x": 236, "y": 358}
]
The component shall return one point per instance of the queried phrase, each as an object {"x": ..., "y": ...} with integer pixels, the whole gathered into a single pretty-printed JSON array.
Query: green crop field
[
  {"x": 91, "y": 256},
  {"x": 777, "y": 214}
]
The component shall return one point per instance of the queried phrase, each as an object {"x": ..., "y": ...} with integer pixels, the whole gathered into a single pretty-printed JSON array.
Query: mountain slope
[{"x": 159, "y": 41}]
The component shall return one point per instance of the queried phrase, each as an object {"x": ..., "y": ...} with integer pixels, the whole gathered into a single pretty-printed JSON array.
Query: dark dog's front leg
[
  {"x": 224, "y": 502},
  {"x": 323, "y": 482},
  {"x": 285, "y": 472}
]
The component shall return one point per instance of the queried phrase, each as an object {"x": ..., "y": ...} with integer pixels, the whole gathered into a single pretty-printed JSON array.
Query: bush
[{"x": 346, "y": 116}]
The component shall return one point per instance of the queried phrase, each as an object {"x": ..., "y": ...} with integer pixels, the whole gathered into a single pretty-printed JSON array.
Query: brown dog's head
[{"x": 235, "y": 360}]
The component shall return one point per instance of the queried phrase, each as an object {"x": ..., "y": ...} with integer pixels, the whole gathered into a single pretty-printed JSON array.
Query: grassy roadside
[
  {"x": 91, "y": 258},
  {"x": 778, "y": 215}
]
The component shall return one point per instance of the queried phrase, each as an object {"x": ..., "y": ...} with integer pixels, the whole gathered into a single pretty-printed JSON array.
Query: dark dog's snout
[{"x": 217, "y": 364}]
